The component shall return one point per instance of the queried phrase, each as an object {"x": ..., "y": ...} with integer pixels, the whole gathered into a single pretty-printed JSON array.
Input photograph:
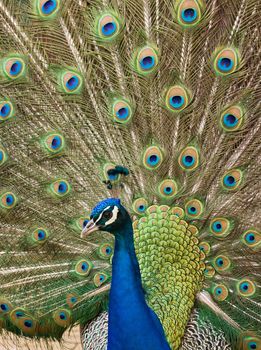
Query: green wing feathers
[{"x": 167, "y": 89}]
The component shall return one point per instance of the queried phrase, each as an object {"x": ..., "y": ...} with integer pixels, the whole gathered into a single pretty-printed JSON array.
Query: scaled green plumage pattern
[{"x": 171, "y": 267}]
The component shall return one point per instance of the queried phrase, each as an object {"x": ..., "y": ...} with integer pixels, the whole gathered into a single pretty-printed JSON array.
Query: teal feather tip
[
  {"x": 14, "y": 67},
  {"x": 108, "y": 27},
  {"x": 47, "y": 9},
  {"x": 146, "y": 60},
  {"x": 189, "y": 13}
]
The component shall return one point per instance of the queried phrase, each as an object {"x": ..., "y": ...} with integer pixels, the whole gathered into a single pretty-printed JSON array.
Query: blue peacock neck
[{"x": 132, "y": 324}]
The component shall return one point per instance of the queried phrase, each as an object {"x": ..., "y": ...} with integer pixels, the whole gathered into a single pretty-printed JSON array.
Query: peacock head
[{"x": 108, "y": 215}]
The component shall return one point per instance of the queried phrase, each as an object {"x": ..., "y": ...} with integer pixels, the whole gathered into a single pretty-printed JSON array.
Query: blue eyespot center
[
  {"x": 101, "y": 278},
  {"x": 16, "y": 68},
  {"x": 244, "y": 286},
  {"x": 141, "y": 207},
  {"x": 189, "y": 15},
  {"x": 153, "y": 160},
  {"x": 9, "y": 199},
  {"x": 123, "y": 113},
  {"x": 41, "y": 235},
  {"x": 19, "y": 314},
  {"x": 62, "y": 188},
  {"x": 62, "y": 316},
  {"x": 147, "y": 62},
  {"x": 28, "y": 323},
  {"x": 252, "y": 345},
  {"x": 72, "y": 83},
  {"x": 73, "y": 299},
  {"x": 177, "y": 101},
  {"x": 5, "y": 110},
  {"x": 230, "y": 120},
  {"x": 192, "y": 210},
  {"x": 218, "y": 291},
  {"x": 188, "y": 161},
  {"x": 168, "y": 190},
  {"x": 4, "y": 307},
  {"x": 56, "y": 142},
  {"x": 108, "y": 250},
  {"x": 250, "y": 237},
  {"x": 225, "y": 64},
  {"x": 49, "y": 7},
  {"x": 109, "y": 29},
  {"x": 229, "y": 181},
  {"x": 1, "y": 156},
  {"x": 85, "y": 223},
  {"x": 220, "y": 262},
  {"x": 84, "y": 266},
  {"x": 217, "y": 226}
]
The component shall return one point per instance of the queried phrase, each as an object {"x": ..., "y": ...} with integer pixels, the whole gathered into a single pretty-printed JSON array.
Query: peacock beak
[{"x": 90, "y": 227}]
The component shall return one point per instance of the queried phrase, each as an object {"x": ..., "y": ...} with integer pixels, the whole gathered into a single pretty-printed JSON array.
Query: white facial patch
[{"x": 114, "y": 216}]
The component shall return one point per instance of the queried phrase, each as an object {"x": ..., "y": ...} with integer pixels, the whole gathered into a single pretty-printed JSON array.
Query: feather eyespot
[
  {"x": 220, "y": 227},
  {"x": 109, "y": 27},
  {"x": 47, "y": 8},
  {"x": 140, "y": 205},
  {"x": 3, "y": 156},
  {"x": 71, "y": 82},
  {"x": 54, "y": 143},
  {"x": 105, "y": 251},
  {"x": 168, "y": 189},
  {"x": 83, "y": 267},
  {"x": 232, "y": 179},
  {"x": 222, "y": 263},
  {"x": 60, "y": 188},
  {"x": 5, "y": 306},
  {"x": 189, "y": 12},
  {"x": 62, "y": 317},
  {"x": 122, "y": 111},
  {"x": 232, "y": 118},
  {"x": 14, "y": 67},
  {"x": 6, "y": 110},
  {"x": 40, "y": 235},
  {"x": 100, "y": 278},
  {"x": 194, "y": 208},
  {"x": 146, "y": 60},
  {"x": 21, "y": 319},
  {"x": 251, "y": 343},
  {"x": 189, "y": 158},
  {"x": 245, "y": 287},
  {"x": 220, "y": 292},
  {"x": 251, "y": 238},
  {"x": 177, "y": 98},
  {"x": 152, "y": 158},
  {"x": 8, "y": 200},
  {"x": 226, "y": 61},
  {"x": 72, "y": 299}
]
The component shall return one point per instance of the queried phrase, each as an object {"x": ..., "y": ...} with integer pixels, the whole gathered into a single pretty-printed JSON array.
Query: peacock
[{"x": 129, "y": 173}]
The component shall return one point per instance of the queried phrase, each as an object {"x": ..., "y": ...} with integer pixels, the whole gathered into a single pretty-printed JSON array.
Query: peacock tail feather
[{"x": 155, "y": 102}]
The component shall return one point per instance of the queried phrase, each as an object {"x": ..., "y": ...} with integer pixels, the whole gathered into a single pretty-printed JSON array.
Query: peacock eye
[{"x": 107, "y": 214}]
